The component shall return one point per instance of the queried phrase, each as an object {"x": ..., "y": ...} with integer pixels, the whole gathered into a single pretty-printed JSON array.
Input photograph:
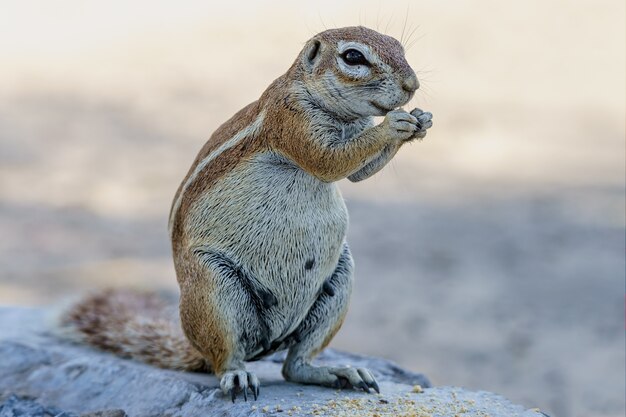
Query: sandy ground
[{"x": 489, "y": 256}]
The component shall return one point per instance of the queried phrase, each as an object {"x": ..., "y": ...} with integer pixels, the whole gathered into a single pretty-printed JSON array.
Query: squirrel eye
[{"x": 354, "y": 57}]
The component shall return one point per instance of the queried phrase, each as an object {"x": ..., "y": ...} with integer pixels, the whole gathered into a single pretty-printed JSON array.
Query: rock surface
[{"x": 41, "y": 375}]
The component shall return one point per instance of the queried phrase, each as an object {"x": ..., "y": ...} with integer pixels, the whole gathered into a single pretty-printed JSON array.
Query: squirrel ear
[{"x": 312, "y": 53}]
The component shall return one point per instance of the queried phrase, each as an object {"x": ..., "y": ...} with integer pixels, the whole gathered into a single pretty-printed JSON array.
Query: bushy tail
[{"x": 132, "y": 324}]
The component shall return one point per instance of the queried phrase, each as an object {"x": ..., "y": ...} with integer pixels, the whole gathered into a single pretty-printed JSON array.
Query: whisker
[
  {"x": 408, "y": 38},
  {"x": 425, "y": 79},
  {"x": 388, "y": 23},
  {"x": 425, "y": 71},
  {"x": 406, "y": 19},
  {"x": 414, "y": 42},
  {"x": 426, "y": 95},
  {"x": 429, "y": 78},
  {"x": 319, "y": 14},
  {"x": 308, "y": 28}
]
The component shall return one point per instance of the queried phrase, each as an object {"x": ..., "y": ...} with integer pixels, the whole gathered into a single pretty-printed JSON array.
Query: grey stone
[
  {"x": 42, "y": 375},
  {"x": 106, "y": 413},
  {"x": 14, "y": 406}
]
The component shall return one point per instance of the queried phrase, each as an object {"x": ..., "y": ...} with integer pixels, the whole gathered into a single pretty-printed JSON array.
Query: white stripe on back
[{"x": 251, "y": 130}]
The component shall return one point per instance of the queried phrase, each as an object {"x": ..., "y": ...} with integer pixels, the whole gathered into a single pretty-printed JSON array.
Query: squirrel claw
[
  {"x": 374, "y": 385},
  {"x": 254, "y": 385},
  {"x": 354, "y": 378},
  {"x": 235, "y": 381},
  {"x": 368, "y": 379},
  {"x": 363, "y": 386}
]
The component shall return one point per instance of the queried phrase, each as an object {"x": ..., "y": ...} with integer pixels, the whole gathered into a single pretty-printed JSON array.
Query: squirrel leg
[
  {"x": 221, "y": 310},
  {"x": 376, "y": 164},
  {"x": 318, "y": 328}
]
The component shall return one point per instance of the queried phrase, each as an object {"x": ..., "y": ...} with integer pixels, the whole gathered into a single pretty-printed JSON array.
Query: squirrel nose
[{"x": 410, "y": 83}]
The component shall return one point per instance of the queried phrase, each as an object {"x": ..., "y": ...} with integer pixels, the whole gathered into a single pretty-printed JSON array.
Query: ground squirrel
[{"x": 258, "y": 225}]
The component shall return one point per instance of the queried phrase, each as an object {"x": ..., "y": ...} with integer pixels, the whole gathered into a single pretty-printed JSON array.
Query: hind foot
[
  {"x": 234, "y": 382},
  {"x": 360, "y": 378},
  {"x": 334, "y": 377}
]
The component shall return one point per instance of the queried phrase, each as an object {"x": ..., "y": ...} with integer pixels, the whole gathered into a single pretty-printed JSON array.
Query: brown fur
[
  {"x": 329, "y": 337},
  {"x": 202, "y": 321},
  {"x": 115, "y": 321},
  {"x": 327, "y": 166},
  {"x": 288, "y": 129},
  {"x": 219, "y": 167}
]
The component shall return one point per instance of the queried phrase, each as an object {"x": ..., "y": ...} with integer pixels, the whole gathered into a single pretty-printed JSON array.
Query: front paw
[
  {"x": 424, "y": 122},
  {"x": 400, "y": 125}
]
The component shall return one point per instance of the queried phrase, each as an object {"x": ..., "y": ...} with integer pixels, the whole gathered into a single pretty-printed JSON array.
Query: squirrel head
[{"x": 355, "y": 72}]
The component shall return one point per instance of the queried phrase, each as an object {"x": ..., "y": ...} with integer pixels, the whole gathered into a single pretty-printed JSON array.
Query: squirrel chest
[{"x": 284, "y": 227}]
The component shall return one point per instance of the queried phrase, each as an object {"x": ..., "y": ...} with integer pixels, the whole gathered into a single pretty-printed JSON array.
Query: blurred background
[{"x": 490, "y": 256}]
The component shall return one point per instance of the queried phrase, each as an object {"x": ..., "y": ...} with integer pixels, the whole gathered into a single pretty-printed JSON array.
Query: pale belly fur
[{"x": 282, "y": 224}]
